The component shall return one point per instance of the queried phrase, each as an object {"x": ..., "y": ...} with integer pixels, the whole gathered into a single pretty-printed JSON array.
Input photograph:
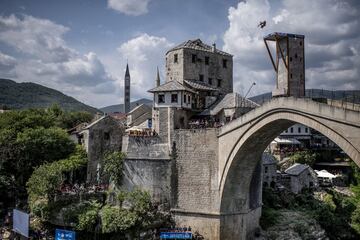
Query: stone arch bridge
[{"x": 216, "y": 178}]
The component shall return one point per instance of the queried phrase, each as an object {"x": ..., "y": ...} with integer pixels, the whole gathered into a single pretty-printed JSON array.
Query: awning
[
  {"x": 289, "y": 141},
  {"x": 325, "y": 174}
]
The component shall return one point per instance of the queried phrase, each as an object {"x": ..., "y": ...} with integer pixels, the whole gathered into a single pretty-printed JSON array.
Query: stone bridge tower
[{"x": 289, "y": 64}]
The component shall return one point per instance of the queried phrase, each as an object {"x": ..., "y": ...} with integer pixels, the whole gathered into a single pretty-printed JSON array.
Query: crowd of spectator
[
  {"x": 147, "y": 132},
  {"x": 204, "y": 123},
  {"x": 68, "y": 188}
]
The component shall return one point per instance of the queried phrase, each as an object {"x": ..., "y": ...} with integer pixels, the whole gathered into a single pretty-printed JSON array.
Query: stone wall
[
  {"x": 147, "y": 166},
  {"x": 175, "y": 70},
  {"x": 291, "y": 81},
  {"x": 296, "y": 63},
  {"x": 197, "y": 170},
  {"x": 145, "y": 147},
  {"x": 152, "y": 175}
]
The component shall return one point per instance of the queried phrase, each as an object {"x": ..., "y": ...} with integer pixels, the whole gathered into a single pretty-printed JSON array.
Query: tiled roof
[
  {"x": 197, "y": 44},
  {"x": 296, "y": 169},
  {"x": 171, "y": 86},
  {"x": 230, "y": 100},
  {"x": 117, "y": 115},
  {"x": 144, "y": 106},
  {"x": 96, "y": 121},
  {"x": 268, "y": 159},
  {"x": 199, "y": 85}
]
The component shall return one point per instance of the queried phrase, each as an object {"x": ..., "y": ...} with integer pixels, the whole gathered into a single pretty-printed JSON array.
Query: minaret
[
  {"x": 127, "y": 90},
  {"x": 157, "y": 77}
]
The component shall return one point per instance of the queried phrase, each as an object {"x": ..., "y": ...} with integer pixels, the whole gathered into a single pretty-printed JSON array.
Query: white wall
[
  {"x": 296, "y": 130},
  {"x": 168, "y": 102}
]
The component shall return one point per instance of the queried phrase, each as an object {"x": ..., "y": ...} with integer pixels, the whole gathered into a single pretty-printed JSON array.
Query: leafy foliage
[
  {"x": 355, "y": 174},
  {"x": 84, "y": 215},
  {"x": 116, "y": 219},
  {"x": 88, "y": 219},
  {"x": 113, "y": 166},
  {"x": 304, "y": 157},
  {"x": 269, "y": 217},
  {"x": 68, "y": 120},
  {"x": 45, "y": 180},
  {"x": 137, "y": 214},
  {"x": 29, "y": 139},
  {"x": 332, "y": 211},
  {"x": 355, "y": 219}
]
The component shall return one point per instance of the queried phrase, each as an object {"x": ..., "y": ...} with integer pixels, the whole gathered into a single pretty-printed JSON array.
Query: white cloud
[
  {"x": 144, "y": 54},
  {"x": 129, "y": 7},
  {"x": 7, "y": 62},
  {"x": 7, "y": 65},
  {"x": 279, "y": 18},
  {"x": 37, "y": 37},
  {"x": 47, "y": 59},
  {"x": 331, "y": 44}
]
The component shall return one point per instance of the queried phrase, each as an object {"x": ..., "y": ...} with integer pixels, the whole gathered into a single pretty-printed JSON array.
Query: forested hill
[{"x": 15, "y": 95}]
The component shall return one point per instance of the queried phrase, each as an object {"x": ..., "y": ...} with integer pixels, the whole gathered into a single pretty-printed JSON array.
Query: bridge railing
[{"x": 333, "y": 98}]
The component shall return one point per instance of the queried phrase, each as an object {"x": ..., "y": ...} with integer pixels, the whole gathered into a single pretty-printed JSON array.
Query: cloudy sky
[{"x": 81, "y": 47}]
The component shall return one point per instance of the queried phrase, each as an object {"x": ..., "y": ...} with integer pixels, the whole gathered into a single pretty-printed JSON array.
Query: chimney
[{"x": 213, "y": 47}]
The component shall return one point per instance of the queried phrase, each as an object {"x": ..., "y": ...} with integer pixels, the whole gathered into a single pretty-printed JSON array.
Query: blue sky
[{"x": 80, "y": 47}]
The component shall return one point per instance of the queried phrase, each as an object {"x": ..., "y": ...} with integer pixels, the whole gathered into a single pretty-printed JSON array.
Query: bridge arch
[{"x": 242, "y": 143}]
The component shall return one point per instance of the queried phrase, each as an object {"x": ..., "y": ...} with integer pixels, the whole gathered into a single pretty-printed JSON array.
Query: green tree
[
  {"x": 29, "y": 138},
  {"x": 304, "y": 157},
  {"x": 113, "y": 166},
  {"x": 22, "y": 151},
  {"x": 355, "y": 219},
  {"x": 47, "y": 178}
]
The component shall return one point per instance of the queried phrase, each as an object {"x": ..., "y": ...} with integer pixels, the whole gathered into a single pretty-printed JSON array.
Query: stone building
[
  {"x": 138, "y": 115},
  {"x": 289, "y": 64},
  {"x": 202, "y": 68},
  {"x": 269, "y": 173},
  {"x": 199, "y": 84},
  {"x": 299, "y": 132},
  {"x": 230, "y": 107},
  {"x": 104, "y": 134},
  {"x": 172, "y": 106},
  {"x": 298, "y": 177},
  {"x": 194, "y": 62}
]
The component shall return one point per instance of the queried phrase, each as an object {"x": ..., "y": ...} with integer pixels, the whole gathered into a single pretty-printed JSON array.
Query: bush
[
  {"x": 87, "y": 219},
  {"x": 116, "y": 219},
  {"x": 355, "y": 219},
  {"x": 269, "y": 217}
]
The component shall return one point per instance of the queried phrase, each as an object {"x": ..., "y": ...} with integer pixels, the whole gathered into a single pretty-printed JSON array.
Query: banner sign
[
  {"x": 175, "y": 235},
  {"x": 21, "y": 222},
  {"x": 61, "y": 234}
]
